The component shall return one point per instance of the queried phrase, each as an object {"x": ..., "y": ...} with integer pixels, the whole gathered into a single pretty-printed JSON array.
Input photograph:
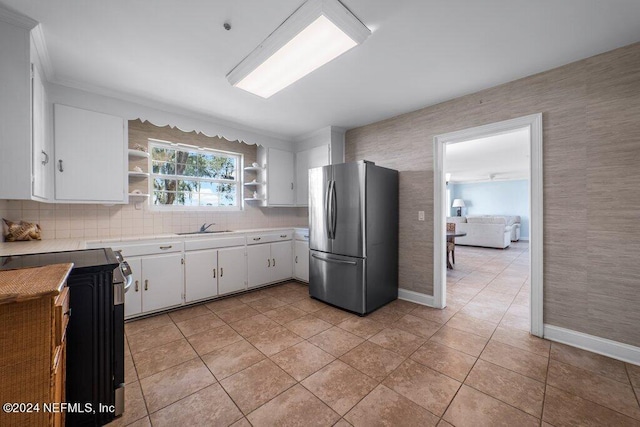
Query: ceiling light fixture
[{"x": 316, "y": 33}]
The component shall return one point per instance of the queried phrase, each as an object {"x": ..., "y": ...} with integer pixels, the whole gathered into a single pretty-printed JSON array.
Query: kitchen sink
[{"x": 203, "y": 232}]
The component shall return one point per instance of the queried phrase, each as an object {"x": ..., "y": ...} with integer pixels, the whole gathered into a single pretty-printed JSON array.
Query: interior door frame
[{"x": 536, "y": 265}]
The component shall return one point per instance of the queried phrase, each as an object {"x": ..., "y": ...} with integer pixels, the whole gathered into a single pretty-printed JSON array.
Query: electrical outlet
[{"x": 420, "y": 215}]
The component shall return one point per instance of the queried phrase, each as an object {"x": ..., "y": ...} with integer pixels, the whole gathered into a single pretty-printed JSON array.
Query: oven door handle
[{"x": 128, "y": 281}]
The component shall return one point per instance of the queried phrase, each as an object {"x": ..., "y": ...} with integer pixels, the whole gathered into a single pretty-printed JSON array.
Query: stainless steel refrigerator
[{"x": 353, "y": 235}]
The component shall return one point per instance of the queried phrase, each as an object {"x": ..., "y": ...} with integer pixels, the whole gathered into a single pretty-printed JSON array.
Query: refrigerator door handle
[
  {"x": 327, "y": 214},
  {"x": 335, "y": 261},
  {"x": 334, "y": 210}
]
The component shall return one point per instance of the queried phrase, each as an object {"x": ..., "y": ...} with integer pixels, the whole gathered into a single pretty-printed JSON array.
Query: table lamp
[{"x": 458, "y": 203}]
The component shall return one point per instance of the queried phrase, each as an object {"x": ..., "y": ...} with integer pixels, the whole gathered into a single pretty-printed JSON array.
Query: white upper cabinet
[
  {"x": 24, "y": 172},
  {"x": 280, "y": 178},
  {"x": 305, "y": 160},
  {"x": 90, "y": 156}
]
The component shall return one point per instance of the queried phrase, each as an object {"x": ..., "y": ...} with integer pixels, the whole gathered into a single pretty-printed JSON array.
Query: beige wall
[
  {"x": 93, "y": 221},
  {"x": 591, "y": 122}
]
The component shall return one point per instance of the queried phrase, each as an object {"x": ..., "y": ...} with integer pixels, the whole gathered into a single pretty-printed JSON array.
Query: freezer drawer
[{"x": 338, "y": 280}]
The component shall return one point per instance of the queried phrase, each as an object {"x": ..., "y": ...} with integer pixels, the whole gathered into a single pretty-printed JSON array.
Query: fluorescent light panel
[{"x": 298, "y": 53}]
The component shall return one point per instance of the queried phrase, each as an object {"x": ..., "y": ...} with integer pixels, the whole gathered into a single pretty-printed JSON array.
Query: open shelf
[
  {"x": 253, "y": 169},
  {"x": 138, "y": 153},
  {"x": 251, "y": 184},
  {"x": 252, "y": 199},
  {"x": 141, "y": 195}
]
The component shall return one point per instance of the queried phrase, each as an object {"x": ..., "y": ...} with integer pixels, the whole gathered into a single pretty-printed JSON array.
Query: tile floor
[{"x": 276, "y": 357}]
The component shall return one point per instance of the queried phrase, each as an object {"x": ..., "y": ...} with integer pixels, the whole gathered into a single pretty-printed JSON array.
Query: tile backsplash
[{"x": 63, "y": 221}]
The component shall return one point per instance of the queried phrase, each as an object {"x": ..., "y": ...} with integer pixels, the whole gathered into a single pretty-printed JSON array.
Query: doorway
[{"x": 441, "y": 208}]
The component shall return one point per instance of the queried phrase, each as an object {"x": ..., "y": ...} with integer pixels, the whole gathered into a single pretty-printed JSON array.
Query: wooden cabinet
[
  {"x": 90, "y": 156},
  {"x": 305, "y": 160},
  {"x": 301, "y": 260},
  {"x": 269, "y": 258},
  {"x": 33, "y": 357}
]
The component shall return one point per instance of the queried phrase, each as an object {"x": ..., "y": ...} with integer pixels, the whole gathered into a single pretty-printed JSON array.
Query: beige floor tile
[
  {"x": 274, "y": 340},
  {"x": 136, "y": 326},
  {"x": 154, "y": 338},
  {"x": 333, "y": 315},
  {"x": 143, "y": 422},
  {"x": 472, "y": 325},
  {"x": 565, "y": 409},
  {"x": 517, "y": 390},
  {"x": 285, "y": 314},
  {"x": 213, "y": 339},
  {"x": 253, "y": 325},
  {"x": 339, "y": 385},
  {"x": 483, "y": 312},
  {"x": 242, "y": 422},
  {"x": 265, "y": 304},
  {"x": 520, "y": 361},
  {"x": 516, "y": 322},
  {"x": 473, "y": 408},
  {"x": 336, "y": 341},
  {"x": 342, "y": 423},
  {"x": 398, "y": 341},
  {"x": 256, "y": 385},
  {"x": 403, "y": 306},
  {"x": 443, "y": 423},
  {"x": 224, "y": 304},
  {"x": 233, "y": 358},
  {"x": 446, "y": 360},
  {"x": 596, "y": 388},
  {"x": 460, "y": 340},
  {"x": 373, "y": 360},
  {"x": 236, "y": 313},
  {"x": 307, "y": 326},
  {"x": 130, "y": 373},
  {"x": 424, "y": 386},
  {"x": 385, "y": 407},
  {"x": 418, "y": 326},
  {"x": 158, "y": 359},
  {"x": 522, "y": 340},
  {"x": 252, "y": 296},
  {"x": 596, "y": 363},
  {"x": 210, "y": 406},
  {"x": 302, "y": 360},
  {"x": 188, "y": 313},
  {"x": 434, "y": 314},
  {"x": 309, "y": 305},
  {"x": 292, "y": 296},
  {"x": 295, "y": 407},
  {"x": 171, "y": 385},
  {"x": 135, "y": 407},
  {"x": 365, "y": 328},
  {"x": 634, "y": 374},
  {"x": 199, "y": 324},
  {"x": 386, "y": 316}
]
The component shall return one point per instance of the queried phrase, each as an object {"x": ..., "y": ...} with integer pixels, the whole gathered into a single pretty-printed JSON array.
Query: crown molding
[
  {"x": 15, "y": 18},
  {"x": 43, "y": 52}
]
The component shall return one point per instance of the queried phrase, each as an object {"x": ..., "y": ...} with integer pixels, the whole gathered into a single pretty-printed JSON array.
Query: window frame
[{"x": 239, "y": 179}]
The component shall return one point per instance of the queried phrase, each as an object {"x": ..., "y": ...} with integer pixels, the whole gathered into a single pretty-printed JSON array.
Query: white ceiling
[
  {"x": 501, "y": 157},
  {"x": 421, "y": 52}
]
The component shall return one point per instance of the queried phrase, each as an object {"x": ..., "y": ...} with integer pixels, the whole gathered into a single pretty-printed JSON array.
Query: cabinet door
[
  {"x": 280, "y": 178},
  {"x": 259, "y": 264},
  {"x": 232, "y": 270},
  {"x": 301, "y": 260},
  {"x": 281, "y": 261},
  {"x": 133, "y": 297},
  {"x": 305, "y": 160},
  {"x": 163, "y": 281},
  {"x": 200, "y": 275},
  {"x": 42, "y": 155},
  {"x": 89, "y": 155}
]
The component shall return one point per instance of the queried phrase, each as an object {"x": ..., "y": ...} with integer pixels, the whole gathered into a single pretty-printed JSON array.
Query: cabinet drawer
[
  {"x": 147, "y": 248},
  {"x": 278, "y": 236},
  {"x": 222, "y": 242},
  {"x": 61, "y": 315},
  {"x": 302, "y": 234}
]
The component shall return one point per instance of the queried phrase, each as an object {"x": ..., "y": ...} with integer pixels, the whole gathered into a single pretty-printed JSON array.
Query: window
[{"x": 187, "y": 176}]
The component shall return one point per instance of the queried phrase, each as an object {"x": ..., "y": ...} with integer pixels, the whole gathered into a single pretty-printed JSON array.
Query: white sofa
[{"x": 492, "y": 231}]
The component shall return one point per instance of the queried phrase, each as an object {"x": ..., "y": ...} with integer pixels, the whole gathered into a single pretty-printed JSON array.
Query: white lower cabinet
[
  {"x": 214, "y": 272},
  {"x": 269, "y": 262},
  {"x": 158, "y": 283},
  {"x": 301, "y": 260},
  {"x": 200, "y": 275}
]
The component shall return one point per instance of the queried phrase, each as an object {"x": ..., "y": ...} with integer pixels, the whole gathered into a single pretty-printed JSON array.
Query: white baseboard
[
  {"x": 615, "y": 350},
  {"x": 417, "y": 297}
]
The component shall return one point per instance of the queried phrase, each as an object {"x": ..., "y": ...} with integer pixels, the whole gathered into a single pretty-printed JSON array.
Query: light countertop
[{"x": 59, "y": 245}]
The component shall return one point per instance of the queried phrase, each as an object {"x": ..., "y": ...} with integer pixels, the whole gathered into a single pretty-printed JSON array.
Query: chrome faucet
[{"x": 204, "y": 227}]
